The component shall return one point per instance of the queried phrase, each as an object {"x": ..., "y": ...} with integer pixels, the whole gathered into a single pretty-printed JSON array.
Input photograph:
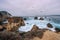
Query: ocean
[
  {"x": 30, "y": 21},
  {"x": 56, "y": 21}
]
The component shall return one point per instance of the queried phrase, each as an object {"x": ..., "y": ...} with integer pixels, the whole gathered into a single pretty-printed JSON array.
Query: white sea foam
[{"x": 29, "y": 24}]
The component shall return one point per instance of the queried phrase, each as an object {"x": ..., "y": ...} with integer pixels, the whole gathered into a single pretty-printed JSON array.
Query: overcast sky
[{"x": 31, "y": 7}]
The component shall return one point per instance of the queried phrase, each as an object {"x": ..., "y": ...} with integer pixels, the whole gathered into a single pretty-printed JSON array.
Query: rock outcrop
[
  {"x": 41, "y": 18},
  {"x": 32, "y": 34},
  {"x": 49, "y": 25},
  {"x": 35, "y": 28},
  {"x": 35, "y": 32},
  {"x": 57, "y": 30},
  {"x": 9, "y": 36},
  {"x": 14, "y": 23}
]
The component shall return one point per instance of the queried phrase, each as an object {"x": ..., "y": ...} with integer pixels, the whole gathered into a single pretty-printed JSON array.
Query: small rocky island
[{"x": 9, "y": 26}]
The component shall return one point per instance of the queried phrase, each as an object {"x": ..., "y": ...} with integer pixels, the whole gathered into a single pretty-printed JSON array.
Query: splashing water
[{"x": 40, "y": 23}]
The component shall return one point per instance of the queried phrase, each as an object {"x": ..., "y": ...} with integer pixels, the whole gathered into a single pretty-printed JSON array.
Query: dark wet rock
[
  {"x": 25, "y": 18},
  {"x": 35, "y": 18},
  {"x": 41, "y": 18},
  {"x": 49, "y": 25},
  {"x": 9, "y": 36},
  {"x": 57, "y": 30}
]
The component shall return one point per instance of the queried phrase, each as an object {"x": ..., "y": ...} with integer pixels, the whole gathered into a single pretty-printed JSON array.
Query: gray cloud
[{"x": 31, "y": 7}]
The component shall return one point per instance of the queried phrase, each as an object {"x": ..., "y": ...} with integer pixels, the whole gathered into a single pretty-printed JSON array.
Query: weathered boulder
[
  {"x": 34, "y": 28},
  {"x": 49, "y": 25}
]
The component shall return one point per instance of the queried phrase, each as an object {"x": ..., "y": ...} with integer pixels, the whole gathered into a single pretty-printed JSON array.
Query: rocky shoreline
[
  {"x": 9, "y": 29},
  {"x": 34, "y": 34}
]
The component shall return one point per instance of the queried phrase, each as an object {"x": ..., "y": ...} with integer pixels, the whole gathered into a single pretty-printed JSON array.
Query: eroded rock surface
[
  {"x": 14, "y": 23},
  {"x": 9, "y": 36}
]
